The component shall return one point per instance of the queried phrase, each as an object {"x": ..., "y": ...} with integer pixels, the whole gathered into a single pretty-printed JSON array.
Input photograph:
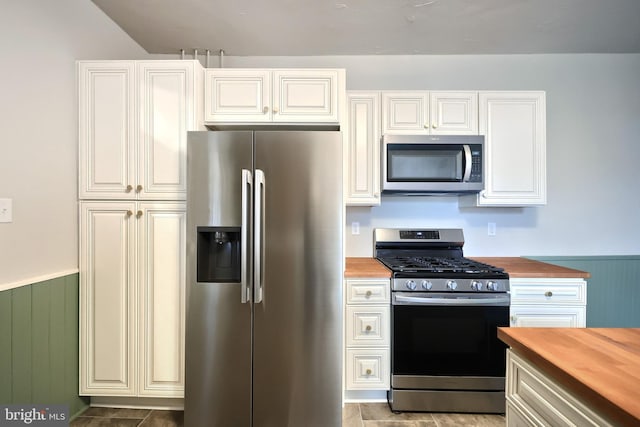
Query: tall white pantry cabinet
[{"x": 133, "y": 123}]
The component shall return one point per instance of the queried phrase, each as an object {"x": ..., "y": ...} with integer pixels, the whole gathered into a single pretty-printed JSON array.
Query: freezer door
[
  {"x": 218, "y": 333},
  {"x": 298, "y": 314}
]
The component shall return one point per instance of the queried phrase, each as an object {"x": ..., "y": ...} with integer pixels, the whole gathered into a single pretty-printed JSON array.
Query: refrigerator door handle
[
  {"x": 258, "y": 246},
  {"x": 244, "y": 237}
]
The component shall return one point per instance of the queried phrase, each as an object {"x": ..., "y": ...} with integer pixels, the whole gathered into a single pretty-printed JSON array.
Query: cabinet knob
[
  {"x": 513, "y": 319},
  {"x": 139, "y": 214},
  {"x": 426, "y": 125},
  {"x": 129, "y": 213},
  {"x": 139, "y": 188},
  {"x": 368, "y": 294},
  {"x": 548, "y": 294},
  {"x": 275, "y": 110},
  {"x": 368, "y": 328},
  {"x": 265, "y": 109},
  {"x": 129, "y": 188},
  {"x": 434, "y": 126},
  {"x": 368, "y": 371}
]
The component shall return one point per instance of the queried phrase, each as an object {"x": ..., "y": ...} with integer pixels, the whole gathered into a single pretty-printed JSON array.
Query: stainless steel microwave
[{"x": 422, "y": 164}]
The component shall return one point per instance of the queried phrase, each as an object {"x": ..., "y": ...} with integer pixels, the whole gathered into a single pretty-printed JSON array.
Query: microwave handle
[{"x": 467, "y": 163}]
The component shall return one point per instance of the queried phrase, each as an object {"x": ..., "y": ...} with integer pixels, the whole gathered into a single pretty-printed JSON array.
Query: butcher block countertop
[
  {"x": 522, "y": 267},
  {"x": 515, "y": 266},
  {"x": 601, "y": 366},
  {"x": 365, "y": 267}
]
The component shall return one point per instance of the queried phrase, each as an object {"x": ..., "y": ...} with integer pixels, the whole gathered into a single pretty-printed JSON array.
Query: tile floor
[
  {"x": 120, "y": 417},
  {"x": 354, "y": 415},
  {"x": 379, "y": 415}
]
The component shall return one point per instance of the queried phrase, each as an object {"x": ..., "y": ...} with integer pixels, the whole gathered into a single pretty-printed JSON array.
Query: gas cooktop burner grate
[{"x": 438, "y": 265}]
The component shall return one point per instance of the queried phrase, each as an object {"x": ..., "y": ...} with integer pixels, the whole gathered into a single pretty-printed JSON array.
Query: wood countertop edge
[
  {"x": 602, "y": 405},
  {"x": 520, "y": 267},
  {"x": 517, "y": 267},
  {"x": 365, "y": 267}
]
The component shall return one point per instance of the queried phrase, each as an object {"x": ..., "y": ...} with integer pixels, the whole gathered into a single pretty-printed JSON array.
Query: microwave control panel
[{"x": 476, "y": 165}]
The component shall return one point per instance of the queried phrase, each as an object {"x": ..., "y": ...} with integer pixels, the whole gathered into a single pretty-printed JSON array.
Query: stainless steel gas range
[{"x": 445, "y": 353}]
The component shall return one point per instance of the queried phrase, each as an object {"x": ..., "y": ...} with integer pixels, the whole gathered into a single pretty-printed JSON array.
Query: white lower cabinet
[
  {"x": 548, "y": 303},
  {"x": 367, "y": 329},
  {"x": 535, "y": 399},
  {"x": 132, "y": 302}
]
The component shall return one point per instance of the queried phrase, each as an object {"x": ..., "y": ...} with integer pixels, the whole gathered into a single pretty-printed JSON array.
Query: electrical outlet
[
  {"x": 6, "y": 211},
  {"x": 355, "y": 228},
  {"x": 491, "y": 229}
]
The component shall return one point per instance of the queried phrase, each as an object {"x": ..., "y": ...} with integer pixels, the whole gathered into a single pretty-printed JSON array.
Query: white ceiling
[{"x": 379, "y": 27}]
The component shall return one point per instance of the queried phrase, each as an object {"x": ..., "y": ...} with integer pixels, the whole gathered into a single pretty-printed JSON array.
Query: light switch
[
  {"x": 6, "y": 212},
  {"x": 491, "y": 229},
  {"x": 355, "y": 228}
]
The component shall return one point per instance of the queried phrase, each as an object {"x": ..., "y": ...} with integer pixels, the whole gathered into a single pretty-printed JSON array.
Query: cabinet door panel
[
  {"x": 405, "y": 112},
  {"x": 305, "y": 96},
  {"x": 514, "y": 127},
  {"x": 107, "y": 295},
  {"x": 237, "y": 95},
  {"x": 363, "y": 149},
  {"x": 106, "y": 130},
  {"x": 162, "y": 297},
  {"x": 454, "y": 113},
  {"x": 166, "y": 115}
]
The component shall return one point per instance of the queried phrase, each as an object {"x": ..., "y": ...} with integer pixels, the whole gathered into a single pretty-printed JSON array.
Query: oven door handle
[{"x": 502, "y": 300}]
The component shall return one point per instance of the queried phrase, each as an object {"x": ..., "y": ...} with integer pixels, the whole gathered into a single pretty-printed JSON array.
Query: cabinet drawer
[
  {"x": 368, "y": 291},
  {"x": 367, "y": 325},
  {"x": 367, "y": 369},
  {"x": 548, "y": 292},
  {"x": 543, "y": 401},
  {"x": 555, "y": 316}
]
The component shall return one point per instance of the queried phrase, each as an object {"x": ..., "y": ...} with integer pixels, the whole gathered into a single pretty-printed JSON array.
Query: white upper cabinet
[
  {"x": 133, "y": 123},
  {"x": 430, "y": 113},
  {"x": 515, "y": 148},
  {"x": 107, "y": 129},
  {"x": 237, "y": 95},
  {"x": 362, "y": 150},
  {"x": 244, "y": 95},
  {"x": 405, "y": 112},
  {"x": 167, "y": 111},
  {"x": 454, "y": 113}
]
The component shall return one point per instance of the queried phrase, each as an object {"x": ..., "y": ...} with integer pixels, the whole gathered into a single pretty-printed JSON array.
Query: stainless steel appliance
[
  {"x": 421, "y": 164},
  {"x": 446, "y": 356},
  {"x": 264, "y": 274}
]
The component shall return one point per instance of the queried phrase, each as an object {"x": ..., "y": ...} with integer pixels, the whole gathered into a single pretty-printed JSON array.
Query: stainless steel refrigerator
[{"x": 264, "y": 279}]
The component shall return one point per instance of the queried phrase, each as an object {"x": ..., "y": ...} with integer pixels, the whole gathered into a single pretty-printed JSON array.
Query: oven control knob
[
  {"x": 426, "y": 284},
  {"x": 493, "y": 286},
  {"x": 476, "y": 285},
  {"x": 452, "y": 285},
  {"x": 410, "y": 284}
]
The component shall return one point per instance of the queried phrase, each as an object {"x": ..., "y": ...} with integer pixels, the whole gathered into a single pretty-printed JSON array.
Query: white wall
[
  {"x": 593, "y": 150},
  {"x": 593, "y": 135},
  {"x": 40, "y": 40}
]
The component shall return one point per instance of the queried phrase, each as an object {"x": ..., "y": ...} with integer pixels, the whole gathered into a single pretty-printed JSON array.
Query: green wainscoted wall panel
[
  {"x": 39, "y": 351},
  {"x": 613, "y": 291}
]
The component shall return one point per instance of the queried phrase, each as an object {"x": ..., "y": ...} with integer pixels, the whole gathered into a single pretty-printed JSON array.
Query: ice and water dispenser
[{"x": 219, "y": 254}]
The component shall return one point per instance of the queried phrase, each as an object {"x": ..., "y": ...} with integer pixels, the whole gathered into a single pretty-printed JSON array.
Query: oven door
[{"x": 448, "y": 340}]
